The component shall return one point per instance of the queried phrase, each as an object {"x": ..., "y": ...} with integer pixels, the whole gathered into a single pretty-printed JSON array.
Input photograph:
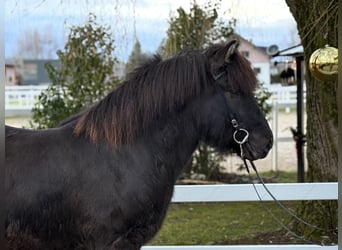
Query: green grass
[
  {"x": 218, "y": 223},
  {"x": 279, "y": 176},
  {"x": 222, "y": 223}
]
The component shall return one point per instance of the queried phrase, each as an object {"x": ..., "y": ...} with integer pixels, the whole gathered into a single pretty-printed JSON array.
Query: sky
[{"x": 264, "y": 22}]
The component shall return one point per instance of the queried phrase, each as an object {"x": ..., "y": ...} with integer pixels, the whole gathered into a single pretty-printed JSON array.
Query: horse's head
[{"x": 233, "y": 115}]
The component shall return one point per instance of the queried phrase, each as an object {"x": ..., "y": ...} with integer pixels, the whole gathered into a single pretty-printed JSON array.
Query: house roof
[
  {"x": 260, "y": 48},
  {"x": 10, "y": 62}
]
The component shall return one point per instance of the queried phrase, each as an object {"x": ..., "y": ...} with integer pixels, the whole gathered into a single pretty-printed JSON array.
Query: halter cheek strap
[
  {"x": 239, "y": 132},
  {"x": 240, "y": 135},
  {"x": 219, "y": 75}
]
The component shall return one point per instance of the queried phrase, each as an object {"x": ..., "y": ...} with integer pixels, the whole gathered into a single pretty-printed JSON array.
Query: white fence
[
  {"x": 246, "y": 192},
  {"x": 240, "y": 247},
  {"x": 253, "y": 247},
  {"x": 285, "y": 96},
  {"x": 22, "y": 98}
]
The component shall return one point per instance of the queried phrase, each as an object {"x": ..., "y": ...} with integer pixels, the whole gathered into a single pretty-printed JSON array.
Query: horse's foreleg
[
  {"x": 124, "y": 243},
  {"x": 135, "y": 238}
]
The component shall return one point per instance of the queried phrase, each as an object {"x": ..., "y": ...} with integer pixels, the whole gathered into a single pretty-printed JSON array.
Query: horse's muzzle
[{"x": 253, "y": 153}]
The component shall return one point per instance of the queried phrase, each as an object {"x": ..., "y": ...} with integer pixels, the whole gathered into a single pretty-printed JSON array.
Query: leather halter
[{"x": 239, "y": 132}]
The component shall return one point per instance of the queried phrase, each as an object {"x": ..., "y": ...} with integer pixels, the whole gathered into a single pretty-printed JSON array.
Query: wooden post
[{"x": 300, "y": 142}]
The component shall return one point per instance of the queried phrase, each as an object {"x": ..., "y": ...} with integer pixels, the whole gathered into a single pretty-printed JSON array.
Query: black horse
[{"x": 104, "y": 178}]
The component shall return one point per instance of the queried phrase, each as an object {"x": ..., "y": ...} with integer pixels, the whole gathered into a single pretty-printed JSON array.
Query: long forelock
[
  {"x": 152, "y": 91},
  {"x": 240, "y": 75}
]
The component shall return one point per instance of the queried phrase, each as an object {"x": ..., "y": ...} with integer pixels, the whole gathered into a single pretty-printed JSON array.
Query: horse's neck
[{"x": 176, "y": 140}]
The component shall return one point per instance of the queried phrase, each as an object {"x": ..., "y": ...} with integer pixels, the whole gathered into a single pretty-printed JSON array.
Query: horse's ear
[{"x": 231, "y": 47}]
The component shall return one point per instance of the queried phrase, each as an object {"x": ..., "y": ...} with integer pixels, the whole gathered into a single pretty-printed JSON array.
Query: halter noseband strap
[{"x": 218, "y": 76}]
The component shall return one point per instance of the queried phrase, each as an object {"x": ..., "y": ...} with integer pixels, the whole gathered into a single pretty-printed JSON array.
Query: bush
[{"x": 85, "y": 75}]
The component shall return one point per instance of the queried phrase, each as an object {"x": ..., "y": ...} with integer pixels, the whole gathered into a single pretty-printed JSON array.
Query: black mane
[{"x": 155, "y": 88}]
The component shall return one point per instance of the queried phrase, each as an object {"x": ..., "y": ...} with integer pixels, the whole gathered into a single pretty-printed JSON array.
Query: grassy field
[
  {"x": 219, "y": 223},
  {"x": 224, "y": 223}
]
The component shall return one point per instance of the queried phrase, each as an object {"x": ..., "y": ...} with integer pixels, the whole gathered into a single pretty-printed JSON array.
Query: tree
[
  {"x": 86, "y": 75},
  {"x": 32, "y": 44},
  {"x": 197, "y": 29},
  {"x": 136, "y": 58},
  {"x": 317, "y": 26}
]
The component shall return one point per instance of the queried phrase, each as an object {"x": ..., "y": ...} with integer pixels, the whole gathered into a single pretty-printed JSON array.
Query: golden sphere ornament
[{"x": 323, "y": 63}]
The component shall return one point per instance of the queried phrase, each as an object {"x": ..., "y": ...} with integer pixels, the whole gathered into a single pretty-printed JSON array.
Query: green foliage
[
  {"x": 206, "y": 161},
  {"x": 86, "y": 74},
  {"x": 195, "y": 29},
  {"x": 198, "y": 29},
  {"x": 50, "y": 108},
  {"x": 262, "y": 95}
]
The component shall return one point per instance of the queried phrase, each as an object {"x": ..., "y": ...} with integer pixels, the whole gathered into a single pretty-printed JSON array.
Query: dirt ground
[
  {"x": 284, "y": 160},
  {"x": 18, "y": 121}
]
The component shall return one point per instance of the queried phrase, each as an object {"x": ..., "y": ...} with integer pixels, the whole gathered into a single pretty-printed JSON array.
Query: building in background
[
  {"x": 20, "y": 71},
  {"x": 25, "y": 72},
  {"x": 260, "y": 60},
  {"x": 10, "y": 73}
]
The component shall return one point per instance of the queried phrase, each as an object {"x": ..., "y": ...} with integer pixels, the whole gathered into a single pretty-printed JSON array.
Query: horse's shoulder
[{"x": 14, "y": 132}]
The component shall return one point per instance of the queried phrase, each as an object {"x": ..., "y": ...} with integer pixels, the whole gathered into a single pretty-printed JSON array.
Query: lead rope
[
  {"x": 301, "y": 237},
  {"x": 241, "y": 142}
]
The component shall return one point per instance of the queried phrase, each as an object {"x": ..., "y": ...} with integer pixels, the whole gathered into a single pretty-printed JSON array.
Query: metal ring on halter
[{"x": 245, "y": 138}]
